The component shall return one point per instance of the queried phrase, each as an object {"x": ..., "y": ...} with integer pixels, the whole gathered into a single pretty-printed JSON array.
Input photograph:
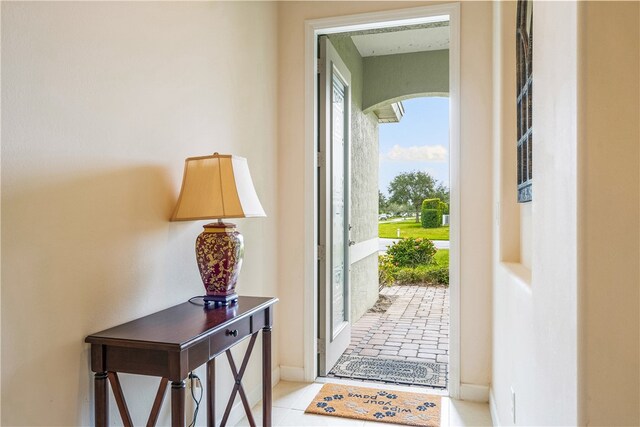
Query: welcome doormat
[
  {"x": 379, "y": 405},
  {"x": 391, "y": 371}
]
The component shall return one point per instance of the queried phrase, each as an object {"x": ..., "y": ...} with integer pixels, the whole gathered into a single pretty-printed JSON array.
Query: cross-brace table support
[
  {"x": 178, "y": 391},
  {"x": 102, "y": 399},
  {"x": 198, "y": 337}
]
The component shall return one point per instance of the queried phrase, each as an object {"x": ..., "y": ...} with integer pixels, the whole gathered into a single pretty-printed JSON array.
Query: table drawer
[{"x": 222, "y": 340}]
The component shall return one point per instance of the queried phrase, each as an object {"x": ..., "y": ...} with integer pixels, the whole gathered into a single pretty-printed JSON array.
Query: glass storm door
[{"x": 334, "y": 90}]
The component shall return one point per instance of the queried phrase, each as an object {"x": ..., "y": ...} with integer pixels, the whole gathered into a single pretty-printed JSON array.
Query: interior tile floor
[{"x": 291, "y": 399}]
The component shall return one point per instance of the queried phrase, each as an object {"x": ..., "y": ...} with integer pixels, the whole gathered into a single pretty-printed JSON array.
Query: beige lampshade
[{"x": 216, "y": 187}]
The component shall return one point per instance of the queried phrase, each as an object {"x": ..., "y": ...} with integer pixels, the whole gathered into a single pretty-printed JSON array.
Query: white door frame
[{"x": 393, "y": 18}]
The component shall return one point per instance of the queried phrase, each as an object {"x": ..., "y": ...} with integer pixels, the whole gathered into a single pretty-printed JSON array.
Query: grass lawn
[
  {"x": 411, "y": 228},
  {"x": 442, "y": 258}
]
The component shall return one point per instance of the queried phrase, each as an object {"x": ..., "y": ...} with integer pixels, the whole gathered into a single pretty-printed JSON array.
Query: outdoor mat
[
  {"x": 369, "y": 404},
  {"x": 391, "y": 371}
]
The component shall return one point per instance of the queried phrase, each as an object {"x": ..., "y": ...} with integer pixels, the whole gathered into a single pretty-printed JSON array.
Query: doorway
[
  {"x": 317, "y": 321},
  {"x": 384, "y": 77}
]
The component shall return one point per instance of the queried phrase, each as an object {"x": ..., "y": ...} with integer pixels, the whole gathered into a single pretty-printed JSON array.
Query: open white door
[{"x": 334, "y": 90}]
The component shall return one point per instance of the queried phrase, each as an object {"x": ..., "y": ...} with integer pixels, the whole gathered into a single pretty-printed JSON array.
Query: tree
[
  {"x": 397, "y": 209},
  {"x": 412, "y": 188},
  {"x": 382, "y": 202},
  {"x": 442, "y": 193}
]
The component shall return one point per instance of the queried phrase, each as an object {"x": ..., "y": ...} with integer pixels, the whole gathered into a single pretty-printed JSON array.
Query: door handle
[{"x": 351, "y": 243}]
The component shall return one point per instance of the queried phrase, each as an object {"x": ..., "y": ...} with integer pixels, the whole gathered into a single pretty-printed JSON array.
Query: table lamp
[{"x": 218, "y": 187}]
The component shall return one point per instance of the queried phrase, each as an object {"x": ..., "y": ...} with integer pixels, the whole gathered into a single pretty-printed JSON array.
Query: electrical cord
[
  {"x": 191, "y": 300},
  {"x": 197, "y": 401}
]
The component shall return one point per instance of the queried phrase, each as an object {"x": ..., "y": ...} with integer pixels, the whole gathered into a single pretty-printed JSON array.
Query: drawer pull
[{"x": 233, "y": 333}]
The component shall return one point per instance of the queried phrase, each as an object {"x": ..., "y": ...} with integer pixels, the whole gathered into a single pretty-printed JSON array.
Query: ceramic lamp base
[{"x": 219, "y": 253}]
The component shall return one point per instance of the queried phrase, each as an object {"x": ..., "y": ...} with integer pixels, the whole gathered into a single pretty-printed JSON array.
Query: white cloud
[{"x": 423, "y": 153}]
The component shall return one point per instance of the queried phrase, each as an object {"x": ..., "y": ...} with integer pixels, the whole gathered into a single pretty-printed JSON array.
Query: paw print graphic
[
  {"x": 382, "y": 393},
  {"x": 378, "y": 415},
  {"x": 338, "y": 396},
  {"x": 392, "y": 396},
  {"x": 329, "y": 409},
  {"x": 321, "y": 404},
  {"x": 390, "y": 414},
  {"x": 328, "y": 399},
  {"x": 426, "y": 406}
]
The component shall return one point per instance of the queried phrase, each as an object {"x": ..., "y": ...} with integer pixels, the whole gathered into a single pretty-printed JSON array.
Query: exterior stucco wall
[
  {"x": 365, "y": 294},
  {"x": 364, "y": 181},
  {"x": 419, "y": 73}
]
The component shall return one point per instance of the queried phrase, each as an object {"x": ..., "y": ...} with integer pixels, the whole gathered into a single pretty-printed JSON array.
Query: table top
[{"x": 177, "y": 327}]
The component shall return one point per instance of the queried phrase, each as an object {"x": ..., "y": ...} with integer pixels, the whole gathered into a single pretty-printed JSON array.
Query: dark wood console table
[{"x": 171, "y": 343}]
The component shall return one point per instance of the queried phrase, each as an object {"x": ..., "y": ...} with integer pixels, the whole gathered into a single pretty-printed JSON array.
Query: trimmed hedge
[
  {"x": 431, "y": 219},
  {"x": 444, "y": 208},
  {"x": 431, "y": 204}
]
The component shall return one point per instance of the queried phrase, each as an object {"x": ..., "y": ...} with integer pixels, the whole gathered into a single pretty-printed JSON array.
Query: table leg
[
  {"x": 266, "y": 376},
  {"x": 211, "y": 393},
  {"x": 177, "y": 403},
  {"x": 101, "y": 397},
  {"x": 157, "y": 403}
]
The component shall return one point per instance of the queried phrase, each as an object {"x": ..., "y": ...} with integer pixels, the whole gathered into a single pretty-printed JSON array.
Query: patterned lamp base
[{"x": 219, "y": 253}]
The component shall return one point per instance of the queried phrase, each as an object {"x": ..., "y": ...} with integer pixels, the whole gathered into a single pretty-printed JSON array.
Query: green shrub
[
  {"x": 411, "y": 252},
  {"x": 413, "y": 262},
  {"x": 431, "y": 204},
  {"x": 386, "y": 270},
  {"x": 431, "y": 218},
  {"x": 422, "y": 275},
  {"x": 411, "y": 276},
  {"x": 444, "y": 208},
  {"x": 438, "y": 276}
]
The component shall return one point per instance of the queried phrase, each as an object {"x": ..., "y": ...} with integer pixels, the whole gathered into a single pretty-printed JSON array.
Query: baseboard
[
  {"x": 493, "y": 409},
  {"x": 474, "y": 392},
  {"x": 275, "y": 376},
  {"x": 292, "y": 373}
]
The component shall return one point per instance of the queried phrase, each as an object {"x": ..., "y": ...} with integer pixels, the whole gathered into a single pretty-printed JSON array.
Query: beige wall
[
  {"x": 475, "y": 171},
  {"x": 535, "y": 333},
  {"x": 566, "y": 331},
  {"x": 101, "y": 104},
  {"x": 476, "y": 86},
  {"x": 609, "y": 294}
]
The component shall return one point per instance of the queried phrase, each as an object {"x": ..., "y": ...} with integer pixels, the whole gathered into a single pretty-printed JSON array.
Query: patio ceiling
[{"x": 434, "y": 37}]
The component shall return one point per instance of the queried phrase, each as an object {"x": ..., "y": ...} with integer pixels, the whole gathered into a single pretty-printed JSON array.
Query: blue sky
[{"x": 420, "y": 141}]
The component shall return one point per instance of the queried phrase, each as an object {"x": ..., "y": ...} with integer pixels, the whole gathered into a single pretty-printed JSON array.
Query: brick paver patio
[{"x": 414, "y": 328}]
